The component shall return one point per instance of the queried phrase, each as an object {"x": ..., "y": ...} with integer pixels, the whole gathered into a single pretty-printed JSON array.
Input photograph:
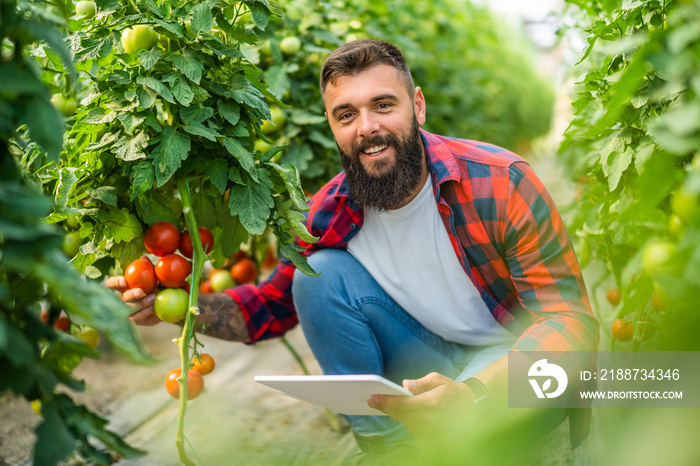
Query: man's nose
[{"x": 369, "y": 124}]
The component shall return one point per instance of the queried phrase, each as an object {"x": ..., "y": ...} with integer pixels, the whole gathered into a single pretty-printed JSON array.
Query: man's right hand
[{"x": 142, "y": 304}]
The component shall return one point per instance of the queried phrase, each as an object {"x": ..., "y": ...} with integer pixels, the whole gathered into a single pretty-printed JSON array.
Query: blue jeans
[{"x": 354, "y": 327}]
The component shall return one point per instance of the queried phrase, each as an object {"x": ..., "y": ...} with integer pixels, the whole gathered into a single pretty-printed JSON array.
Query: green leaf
[
  {"x": 189, "y": 65},
  {"x": 157, "y": 86},
  {"x": 54, "y": 441},
  {"x": 202, "y": 20},
  {"x": 241, "y": 154},
  {"x": 617, "y": 164},
  {"x": 130, "y": 121},
  {"x": 251, "y": 203},
  {"x": 196, "y": 113},
  {"x": 182, "y": 91},
  {"x": 106, "y": 194},
  {"x": 146, "y": 97},
  {"x": 67, "y": 179},
  {"x": 18, "y": 349},
  {"x": 120, "y": 225},
  {"x": 197, "y": 129},
  {"x": 44, "y": 124},
  {"x": 278, "y": 80},
  {"x": 244, "y": 92},
  {"x": 130, "y": 149},
  {"x": 169, "y": 154},
  {"x": 302, "y": 117},
  {"x": 292, "y": 182},
  {"x": 261, "y": 15},
  {"x": 142, "y": 177},
  {"x": 154, "y": 207},
  {"x": 149, "y": 58},
  {"x": 218, "y": 174},
  {"x": 171, "y": 27},
  {"x": 127, "y": 252},
  {"x": 292, "y": 253},
  {"x": 230, "y": 110},
  {"x": 295, "y": 221}
]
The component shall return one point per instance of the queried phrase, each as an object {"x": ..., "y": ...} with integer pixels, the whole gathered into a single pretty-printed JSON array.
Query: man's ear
[{"x": 419, "y": 105}]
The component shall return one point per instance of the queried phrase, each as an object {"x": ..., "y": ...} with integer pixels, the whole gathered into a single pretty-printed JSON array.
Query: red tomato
[
  {"x": 61, "y": 323},
  {"x": 172, "y": 270},
  {"x": 204, "y": 365},
  {"x": 140, "y": 274},
  {"x": 244, "y": 271},
  {"x": 162, "y": 238},
  {"x": 195, "y": 383},
  {"x": 205, "y": 287},
  {"x": 205, "y": 237}
]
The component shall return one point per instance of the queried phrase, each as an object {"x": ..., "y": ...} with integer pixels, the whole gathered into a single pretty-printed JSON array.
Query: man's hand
[
  {"x": 136, "y": 299},
  {"x": 438, "y": 401}
]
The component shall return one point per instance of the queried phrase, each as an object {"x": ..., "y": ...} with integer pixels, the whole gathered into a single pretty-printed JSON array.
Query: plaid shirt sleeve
[
  {"x": 544, "y": 269},
  {"x": 268, "y": 307}
]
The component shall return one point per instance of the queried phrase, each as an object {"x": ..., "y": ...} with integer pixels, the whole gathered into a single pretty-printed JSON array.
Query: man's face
[{"x": 375, "y": 121}]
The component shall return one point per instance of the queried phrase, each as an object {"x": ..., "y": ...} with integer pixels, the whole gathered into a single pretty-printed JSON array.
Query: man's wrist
[{"x": 477, "y": 387}]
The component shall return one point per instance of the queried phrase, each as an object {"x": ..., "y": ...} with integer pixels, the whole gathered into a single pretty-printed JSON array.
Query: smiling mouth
[{"x": 375, "y": 151}]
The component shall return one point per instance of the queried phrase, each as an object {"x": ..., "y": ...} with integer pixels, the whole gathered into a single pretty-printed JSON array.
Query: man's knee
[{"x": 328, "y": 263}]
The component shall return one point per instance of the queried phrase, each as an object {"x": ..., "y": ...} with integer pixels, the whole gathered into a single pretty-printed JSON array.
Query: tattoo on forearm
[{"x": 220, "y": 317}]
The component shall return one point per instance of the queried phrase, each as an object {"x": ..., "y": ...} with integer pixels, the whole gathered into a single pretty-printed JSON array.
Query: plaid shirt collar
[{"x": 441, "y": 164}]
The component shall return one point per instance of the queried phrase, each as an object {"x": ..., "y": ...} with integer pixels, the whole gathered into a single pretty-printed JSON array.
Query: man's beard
[{"x": 386, "y": 191}]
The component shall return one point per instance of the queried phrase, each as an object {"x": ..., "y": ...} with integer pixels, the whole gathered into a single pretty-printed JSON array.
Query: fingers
[
  {"x": 145, "y": 317},
  {"x": 116, "y": 283},
  {"x": 426, "y": 383}
]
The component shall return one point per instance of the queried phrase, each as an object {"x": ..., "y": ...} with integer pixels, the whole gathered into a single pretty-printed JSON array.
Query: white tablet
[{"x": 345, "y": 394}]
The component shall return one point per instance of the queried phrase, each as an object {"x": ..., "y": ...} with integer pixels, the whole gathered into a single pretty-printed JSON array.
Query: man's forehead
[{"x": 375, "y": 81}]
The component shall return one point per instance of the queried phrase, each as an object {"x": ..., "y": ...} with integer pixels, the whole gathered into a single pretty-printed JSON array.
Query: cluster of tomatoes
[
  {"x": 162, "y": 239},
  {"x": 89, "y": 335},
  {"x": 623, "y": 329},
  {"x": 238, "y": 270},
  {"x": 203, "y": 364}
]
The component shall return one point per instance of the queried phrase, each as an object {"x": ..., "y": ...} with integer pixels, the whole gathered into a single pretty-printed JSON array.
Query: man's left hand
[{"x": 437, "y": 402}]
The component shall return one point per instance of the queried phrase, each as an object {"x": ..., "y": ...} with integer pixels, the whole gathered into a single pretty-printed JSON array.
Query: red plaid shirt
[{"x": 504, "y": 229}]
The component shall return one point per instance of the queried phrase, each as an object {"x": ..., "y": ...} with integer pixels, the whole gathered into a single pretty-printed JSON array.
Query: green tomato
[
  {"x": 676, "y": 226},
  {"x": 278, "y": 120},
  {"x": 89, "y": 336},
  {"x": 171, "y": 304},
  {"x": 65, "y": 106},
  {"x": 221, "y": 280},
  {"x": 658, "y": 258},
  {"x": 72, "y": 243},
  {"x": 262, "y": 146},
  {"x": 290, "y": 45},
  {"x": 72, "y": 223},
  {"x": 686, "y": 205},
  {"x": 138, "y": 37},
  {"x": 85, "y": 9}
]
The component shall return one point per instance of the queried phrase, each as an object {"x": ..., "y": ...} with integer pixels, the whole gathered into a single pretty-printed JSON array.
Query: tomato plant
[
  {"x": 203, "y": 363},
  {"x": 205, "y": 237},
  {"x": 172, "y": 270},
  {"x": 162, "y": 238},
  {"x": 195, "y": 383},
  {"x": 171, "y": 304},
  {"x": 72, "y": 243},
  {"x": 140, "y": 274}
]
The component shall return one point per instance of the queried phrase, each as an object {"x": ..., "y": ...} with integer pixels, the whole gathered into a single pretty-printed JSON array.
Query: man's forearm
[{"x": 220, "y": 317}]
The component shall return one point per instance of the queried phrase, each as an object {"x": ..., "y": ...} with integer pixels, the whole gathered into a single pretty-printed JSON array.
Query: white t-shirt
[{"x": 408, "y": 252}]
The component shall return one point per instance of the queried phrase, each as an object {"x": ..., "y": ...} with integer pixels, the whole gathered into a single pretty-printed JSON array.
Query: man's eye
[
  {"x": 345, "y": 116},
  {"x": 383, "y": 105}
]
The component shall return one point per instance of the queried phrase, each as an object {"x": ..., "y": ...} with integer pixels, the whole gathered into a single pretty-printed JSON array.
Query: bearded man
[{"x": 437, "y": 256}]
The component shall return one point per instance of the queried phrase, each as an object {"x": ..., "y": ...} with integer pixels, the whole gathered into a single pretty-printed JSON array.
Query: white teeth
[{"x": 375, "y": 149}]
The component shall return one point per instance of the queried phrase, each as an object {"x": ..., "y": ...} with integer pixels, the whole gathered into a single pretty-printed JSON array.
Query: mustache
[{"x": 388, "y": 140}]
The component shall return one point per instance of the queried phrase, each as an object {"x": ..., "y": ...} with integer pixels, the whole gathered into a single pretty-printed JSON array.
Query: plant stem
[{"x": 188, "y": 329}]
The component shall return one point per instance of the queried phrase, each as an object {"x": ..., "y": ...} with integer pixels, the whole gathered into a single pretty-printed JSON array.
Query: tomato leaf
[
  {"x": 169, "y": 154},
  {"x": 252, "y": 203},
  {"x": 202, "y": 20},
  {"x": 290, "y": 176},
  {"x": 54, "y": 440},
  {"x": 106, "y": 194},
  {"x": 120, "y": 224},
  {"x": 241, "y": 154},
  {"x": 189, "y": 65},
  {"x": 129, "y": 149},
  {"x": 291, "y": 252}
]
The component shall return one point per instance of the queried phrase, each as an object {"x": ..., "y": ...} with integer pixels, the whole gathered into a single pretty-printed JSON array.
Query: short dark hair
[{"x": 357, "y": 56}]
